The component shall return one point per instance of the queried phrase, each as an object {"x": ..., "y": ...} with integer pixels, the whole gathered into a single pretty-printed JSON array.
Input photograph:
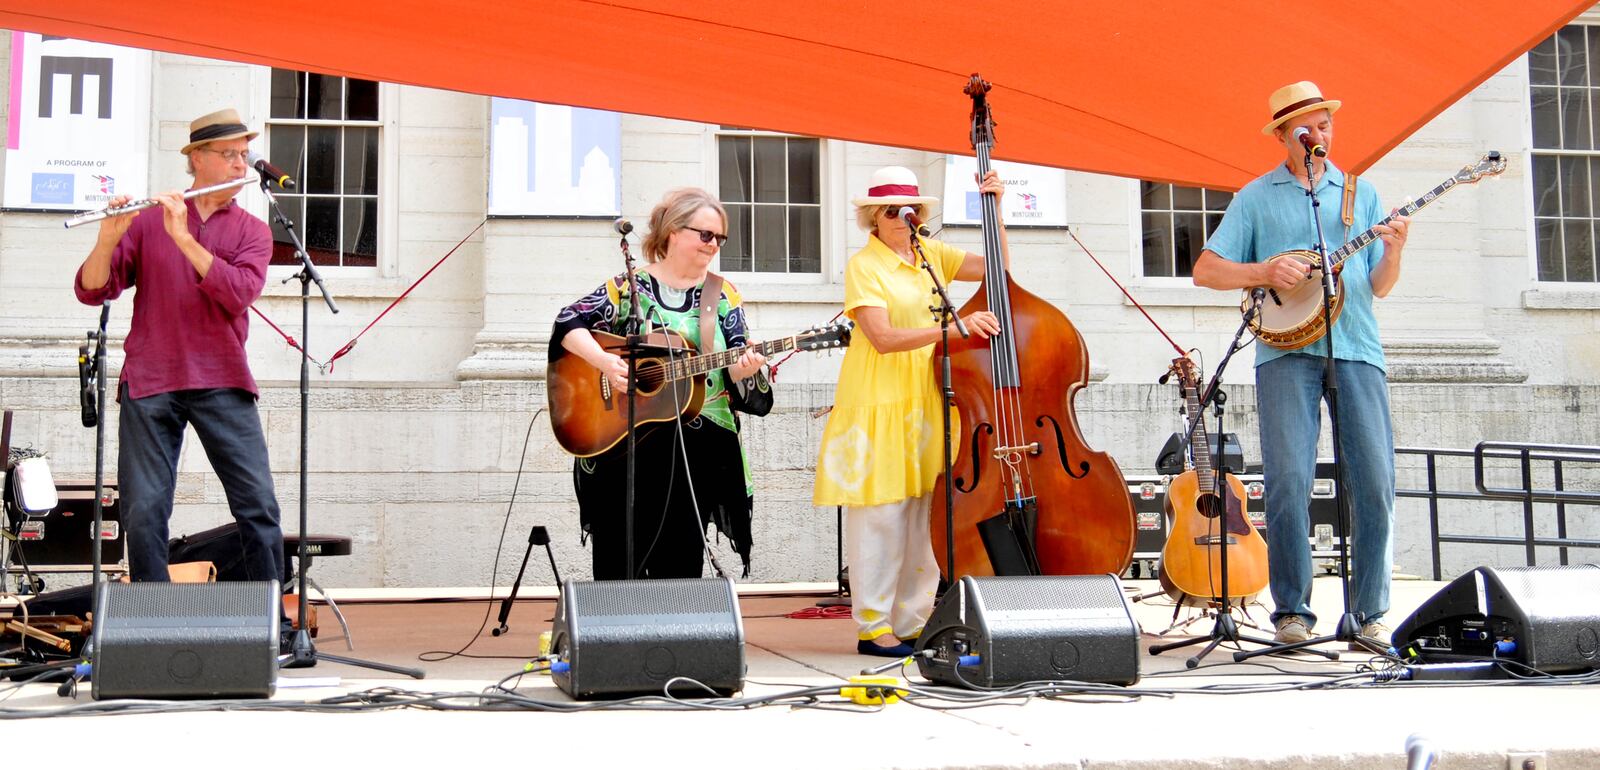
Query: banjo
[{"x": 1292, "y": 319}]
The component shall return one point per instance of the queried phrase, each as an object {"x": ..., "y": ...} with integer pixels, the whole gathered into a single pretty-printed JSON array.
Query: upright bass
[{"x": 1024, "y": 477}]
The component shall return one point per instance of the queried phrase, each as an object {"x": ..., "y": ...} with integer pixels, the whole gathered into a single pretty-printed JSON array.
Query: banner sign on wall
[
  {"x": 553, "y": 160},
  {"x": 78, "y": 130},
  {"x": 1035, "y": 195}
]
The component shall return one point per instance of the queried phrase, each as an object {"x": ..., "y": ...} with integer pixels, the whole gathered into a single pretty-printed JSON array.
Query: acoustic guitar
[
  {"x": 1200, "y": 525},
  {"x": 589, "y": 416},
  {"x": 1292, "y": 319}
]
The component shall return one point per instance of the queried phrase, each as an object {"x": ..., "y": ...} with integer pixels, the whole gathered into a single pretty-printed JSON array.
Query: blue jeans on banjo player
[
  {"x": 1288, "y": 399},
  {"x": 150, "y": 434}
]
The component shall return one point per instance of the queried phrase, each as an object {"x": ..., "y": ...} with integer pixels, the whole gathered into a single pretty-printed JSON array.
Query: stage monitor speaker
[
  {"x": 1546, "y": 618},
  {"x": 619, "y": 638},
  {"x": 186, "y": 640},
  {"x": 1024, "y": 629}
]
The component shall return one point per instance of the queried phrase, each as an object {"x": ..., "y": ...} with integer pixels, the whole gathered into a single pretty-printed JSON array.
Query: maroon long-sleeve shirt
[{"x": 187, "y": 332}]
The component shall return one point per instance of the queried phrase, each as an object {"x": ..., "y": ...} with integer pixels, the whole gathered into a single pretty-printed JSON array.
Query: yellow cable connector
[{"x": 872, "y": 690}]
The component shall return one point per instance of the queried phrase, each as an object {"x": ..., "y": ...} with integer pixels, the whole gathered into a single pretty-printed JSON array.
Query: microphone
[
  {"x": 1258, "y": 297},
  {"x": 86, "y": 398},
  {"x": 622, "y": 226},
  {"x": 1304, "y": 135},
  {"x": 1420, "y": 754},
  {"x": 909, "y": 216},
  {"x": 265, "y": 168}
]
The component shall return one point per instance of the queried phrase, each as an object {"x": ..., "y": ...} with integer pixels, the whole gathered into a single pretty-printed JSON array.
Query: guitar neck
[
  {"x": 1369, "y": 235},
  {"x": 1198, "y": 444},
  {"x": 722, "y": 359}
]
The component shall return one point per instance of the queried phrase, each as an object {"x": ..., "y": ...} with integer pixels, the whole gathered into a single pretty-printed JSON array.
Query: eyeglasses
[
  {"x": 893, "y": 211},
  {"x": 231, "y": 156},
  {"x": 706, "y": 236}
]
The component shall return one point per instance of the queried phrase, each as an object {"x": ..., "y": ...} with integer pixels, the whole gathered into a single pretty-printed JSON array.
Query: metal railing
[{"x": 1559, "y": 456}]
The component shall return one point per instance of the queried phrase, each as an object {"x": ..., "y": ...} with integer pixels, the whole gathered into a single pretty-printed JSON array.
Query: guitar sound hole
[
  {"x": 1206, "y": 504},
  {"x": 651, "y": 376}
]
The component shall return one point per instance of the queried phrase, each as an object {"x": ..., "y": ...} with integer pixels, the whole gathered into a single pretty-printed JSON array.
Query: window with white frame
[
  {"x": 324, "y": 131},
  {"x": 1175, "y": 222},
  {"x": 771, "y": 185},
  {"x": 1563, "y": 78}
]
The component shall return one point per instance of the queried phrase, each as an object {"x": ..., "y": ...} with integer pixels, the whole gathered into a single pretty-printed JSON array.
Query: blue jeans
[
  {"x": 150, "y": 435},
  {"x": 1288, "y": 396}
]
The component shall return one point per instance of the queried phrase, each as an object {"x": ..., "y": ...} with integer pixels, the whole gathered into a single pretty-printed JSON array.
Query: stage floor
[{"x": 1277, "y": 725}]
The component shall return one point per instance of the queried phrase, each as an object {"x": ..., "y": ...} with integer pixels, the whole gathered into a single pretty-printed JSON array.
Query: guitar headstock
[
  {"x": 1187, "y": 373},
  {"x": 834, "y": 335},
  {"x": 1490, "y": 164},
  {"x": 982, "y": 121}
]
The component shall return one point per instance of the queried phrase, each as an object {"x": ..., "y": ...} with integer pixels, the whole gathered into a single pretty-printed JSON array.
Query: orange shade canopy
[{"x": 1149, "y": 89}]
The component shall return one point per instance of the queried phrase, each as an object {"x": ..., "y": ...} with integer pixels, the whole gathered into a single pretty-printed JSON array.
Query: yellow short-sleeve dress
[{"x": 882, "y": 443}]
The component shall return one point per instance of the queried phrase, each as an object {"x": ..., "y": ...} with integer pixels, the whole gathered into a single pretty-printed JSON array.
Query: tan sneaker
[
  {"x": 1375, "y": 631},
  {"x": 1291, "y": 629}
]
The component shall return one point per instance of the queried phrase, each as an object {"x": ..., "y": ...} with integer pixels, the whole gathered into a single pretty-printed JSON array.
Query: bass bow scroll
[{"x": 1026, "y": 482}]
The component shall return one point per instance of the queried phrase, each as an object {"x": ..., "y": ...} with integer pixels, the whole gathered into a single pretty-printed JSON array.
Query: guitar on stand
[
  {"x": 590, "y": 417},
  {"x": 1191, "y": 559}
]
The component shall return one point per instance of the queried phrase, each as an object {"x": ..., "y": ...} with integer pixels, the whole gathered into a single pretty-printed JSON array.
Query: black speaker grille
[
  {"x": 154, "y": 603},
  {"x": 1082, "y": 596},
  {"x": 650, "y": 598},
  {"x": 1551, "y": 591}
]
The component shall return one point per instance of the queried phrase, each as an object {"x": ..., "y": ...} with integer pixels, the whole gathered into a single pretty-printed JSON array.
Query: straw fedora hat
[
  {"x": 219, "y": 125},
  {"x": 894, "y": 186},
  {"x": 1294, "y": 100}
]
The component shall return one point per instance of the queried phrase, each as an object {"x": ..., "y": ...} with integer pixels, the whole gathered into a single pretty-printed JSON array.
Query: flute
[{"x": 140, "y": 205}]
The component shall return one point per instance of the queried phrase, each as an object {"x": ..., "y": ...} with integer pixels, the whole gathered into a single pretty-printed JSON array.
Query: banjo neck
[{"x": 1368, "y": 236}]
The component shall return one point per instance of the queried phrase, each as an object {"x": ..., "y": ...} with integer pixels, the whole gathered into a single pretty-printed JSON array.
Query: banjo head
[{"x": 1292, "y": 319}]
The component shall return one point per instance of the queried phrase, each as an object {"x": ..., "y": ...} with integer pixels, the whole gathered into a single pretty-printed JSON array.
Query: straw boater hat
[
  {"x": 894, "y": 186},
  {"x": 1294, "y": 100},
  {"x": 219, "y": 125}
]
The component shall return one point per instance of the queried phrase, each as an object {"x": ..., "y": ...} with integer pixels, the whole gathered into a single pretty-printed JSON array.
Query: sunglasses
[
  {"x": 707, "y": 236},
  {"x": 893, "y": 211}
]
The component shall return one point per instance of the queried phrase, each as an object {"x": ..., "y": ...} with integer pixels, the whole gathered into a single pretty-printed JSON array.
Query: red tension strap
[{"x": 328, "y": 367}]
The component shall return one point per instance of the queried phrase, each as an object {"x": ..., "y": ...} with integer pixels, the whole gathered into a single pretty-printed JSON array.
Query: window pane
[
  {"x": 733, "y": 163},
  {"x": 322, "y": 230},
  {"x": 286, "y": 102},
  {"x": 1542, "y": 63},
  {"x": 772, "y": 180},
  {"x": 1157, "y": 244},
  {"x": 322, "y": 160},
  {"x": 294, "y": 207},
  {"x": 1155, "y": 195},
  {"x": 803, "y": 171},
  {"x": 1185, "y": 198},
  {"x": 361, "y": 103},
  {"x": 1218, "y": 200},
  {"x": 1572, "y": 56},
  {"x": 1212, "y": 221},
  {"x": 1187, "y": 238},
  {"x": 361, "y": 232},
  {"x": 772, "y": 252},
  {"x": 360, "y": 161},
  {"x": 324, "y": 94},
  {"x": 1546, "y": 192},
  {"x": 736, "y": 252},
  {"x": 1578, "y": 243},
  {"x": 1549, "y": 241},
  {"x": 805, "y": 239},
  {"x": 287, "y": 149},
  {"x": 1575, "y": 118},
  {"x": 1546, "y": 118},
  {"x": 1574, "y": 187}
]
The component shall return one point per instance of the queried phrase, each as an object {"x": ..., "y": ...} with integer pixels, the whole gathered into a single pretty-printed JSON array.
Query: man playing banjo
[{"x": 1270, "y": 216}]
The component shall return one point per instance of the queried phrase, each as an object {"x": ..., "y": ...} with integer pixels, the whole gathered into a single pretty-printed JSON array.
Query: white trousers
[{"x": 893, "y": 574}]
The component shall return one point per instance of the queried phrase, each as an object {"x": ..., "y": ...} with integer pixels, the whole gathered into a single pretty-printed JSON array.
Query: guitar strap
[
  {"x": 710, "y": 295},
  {"x": 1348, "y": 210}
]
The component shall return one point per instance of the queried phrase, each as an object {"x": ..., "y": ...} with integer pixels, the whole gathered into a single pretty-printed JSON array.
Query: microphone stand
[
  {"x": 1225, "y": 629},
  {"x": 946, "y": 312},
  {"x": 1349, "y": 628},
  {"x": 633, "y": 348},
  {"x": 98, "y": 533},
  {"x": 302, "y": 653}
]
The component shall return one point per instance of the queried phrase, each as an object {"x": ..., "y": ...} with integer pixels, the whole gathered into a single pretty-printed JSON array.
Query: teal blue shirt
[{"x": 1271, "y": 215}]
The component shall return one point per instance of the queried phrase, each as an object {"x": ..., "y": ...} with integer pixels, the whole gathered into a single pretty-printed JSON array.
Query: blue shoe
[{"x": 901, "y": 650}]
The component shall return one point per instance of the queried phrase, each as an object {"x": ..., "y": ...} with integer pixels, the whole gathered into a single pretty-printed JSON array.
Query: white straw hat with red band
[{"x": 895, "y": 186}]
